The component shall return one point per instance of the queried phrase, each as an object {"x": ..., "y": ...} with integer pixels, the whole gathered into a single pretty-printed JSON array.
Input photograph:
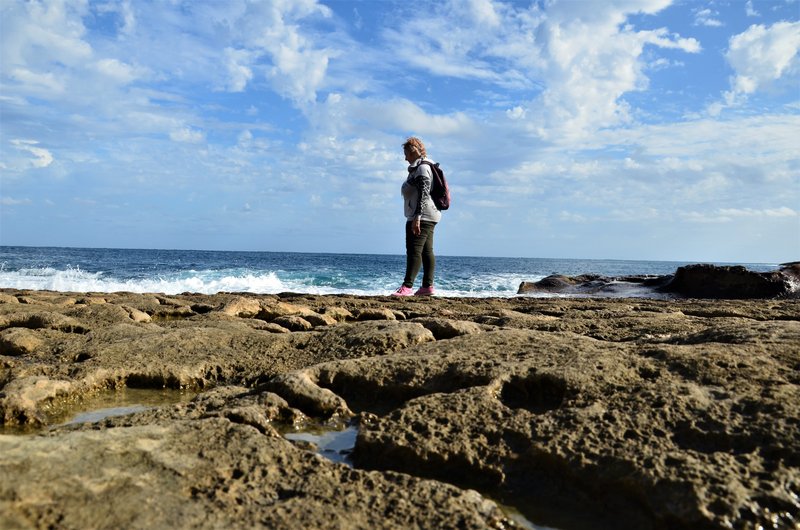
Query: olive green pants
[{"x": 419, "y": 253}]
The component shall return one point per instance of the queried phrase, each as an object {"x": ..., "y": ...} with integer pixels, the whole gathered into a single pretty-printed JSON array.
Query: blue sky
[{"x": 629, "y": 129}]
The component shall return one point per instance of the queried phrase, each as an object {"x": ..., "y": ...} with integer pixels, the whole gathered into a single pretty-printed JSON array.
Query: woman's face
[{"x": 411, "y": 155}]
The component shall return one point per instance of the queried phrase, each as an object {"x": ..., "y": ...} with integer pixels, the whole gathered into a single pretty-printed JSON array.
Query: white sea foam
[
  {"x": 77, "y": 280},
  {"x": 74, "y": 279}
]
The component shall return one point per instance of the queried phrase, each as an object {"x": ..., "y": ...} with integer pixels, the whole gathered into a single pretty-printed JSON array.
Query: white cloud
[
  {"x": 483, "y": 12},
  {"x": 706, "y": 17},
  {"x": 729, "y": 215},
  {"x": 187, "y": 135},
  {"x": 10, "y": 201},
  {"x": 298, "y": 65},
  {"x": 516, "y": 113},
  {"x": 572, "y": 217},
  {"x": 39, "y": 156},
  {"x": 45, "y": 84},
  {"x": 592, "y": 62},
  {"x": 760, "y": 56},
  {"x": 239, "y": 74},
  {"x": 750, "y": 10},
  {"x": 345, "y": 115},
  {"x": 580, "y": 61},
  {"x": 117, "y": 71},
  {"x": 37, "y": 33},
  {"x": 783, "y": 211},
  {"x": 298, "y": 71},
  {"x": 630, "y": 163}
]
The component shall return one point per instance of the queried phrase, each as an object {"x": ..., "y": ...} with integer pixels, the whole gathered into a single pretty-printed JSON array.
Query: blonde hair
[{"x": 414, "y": 145}]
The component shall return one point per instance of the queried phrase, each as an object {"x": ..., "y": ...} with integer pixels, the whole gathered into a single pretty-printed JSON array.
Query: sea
[{"x": 110, "y": 270}]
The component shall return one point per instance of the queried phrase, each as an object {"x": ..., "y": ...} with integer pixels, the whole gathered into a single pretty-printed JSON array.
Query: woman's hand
[{"x": 416, "y": 228}]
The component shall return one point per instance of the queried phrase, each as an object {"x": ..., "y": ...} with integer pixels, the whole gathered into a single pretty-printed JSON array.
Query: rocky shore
[
  {"x": 727, "y": 282},
  {"x": 578, "y": 412}
]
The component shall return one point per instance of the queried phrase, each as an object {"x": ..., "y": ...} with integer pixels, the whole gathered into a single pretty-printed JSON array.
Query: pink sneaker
[
  {"x": 402, "y": 291},
  {"x": 424, "y": 291}
]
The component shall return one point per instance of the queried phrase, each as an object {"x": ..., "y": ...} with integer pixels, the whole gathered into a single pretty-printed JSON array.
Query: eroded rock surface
[{"x": 582, "y": 413}]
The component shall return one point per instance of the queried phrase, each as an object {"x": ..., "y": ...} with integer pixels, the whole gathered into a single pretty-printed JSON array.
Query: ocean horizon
[{"x": 72, "y": 269}]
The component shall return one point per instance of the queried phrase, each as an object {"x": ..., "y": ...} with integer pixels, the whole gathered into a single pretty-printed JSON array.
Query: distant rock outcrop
[
  {"x": 690, "y": 281},
  {"x": 591, "y": 284},
  {"x": 733, "y": 282}
]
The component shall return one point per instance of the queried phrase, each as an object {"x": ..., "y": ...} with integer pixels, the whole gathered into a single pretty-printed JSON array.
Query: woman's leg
[
  {"x": 428, "y": 258},
  {"x": 414, "y": 246}
]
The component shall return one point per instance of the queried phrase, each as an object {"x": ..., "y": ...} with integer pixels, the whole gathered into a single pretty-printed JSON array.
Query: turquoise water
[{"x": 177, "y": 271}]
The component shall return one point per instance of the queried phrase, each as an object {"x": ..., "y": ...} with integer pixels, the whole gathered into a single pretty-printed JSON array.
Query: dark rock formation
[
  {"x": 691, "y": 281},
  {"x": 593, "y": 284},
  {"x": 733, "y": 282}
]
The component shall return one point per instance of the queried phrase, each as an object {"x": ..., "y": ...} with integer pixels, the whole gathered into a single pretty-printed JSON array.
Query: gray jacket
[{"x": 416, "y": 186}]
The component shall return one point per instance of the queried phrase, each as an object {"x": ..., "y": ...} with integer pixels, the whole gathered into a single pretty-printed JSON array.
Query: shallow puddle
[
  {"x": 92, "y": 409},
  {"x": 336, "y": 446},
  {"x": 120, "y": 402}
]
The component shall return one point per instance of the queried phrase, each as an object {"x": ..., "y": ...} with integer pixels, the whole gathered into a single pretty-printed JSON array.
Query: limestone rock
[
  {"x": 582, "y": 412},
  {"x": 443, "y": 328},
  {"x": 270, "y": 310},
  {"x": 376, "y": 314},
  {"x": 136, "y": 315},
  {"x": 317, "y": 320},
  {"x": 340, "y": 314},
  {"x": 23, "y": 400},
  {"x": 363, "y": 339},
  {"x": 8, "y": 299},
  {"x": 42, "y": 320},
  {"x": 211, "y": 474},
  {"x": 293, "y": 323},
  {"x": 18, "y": 341},
  {"x": 242, "y": 307},
  {"x": 302, "y": 392}
]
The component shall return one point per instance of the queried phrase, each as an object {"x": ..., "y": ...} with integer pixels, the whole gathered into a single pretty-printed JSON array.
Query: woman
[{"x": 421, "y": 218}]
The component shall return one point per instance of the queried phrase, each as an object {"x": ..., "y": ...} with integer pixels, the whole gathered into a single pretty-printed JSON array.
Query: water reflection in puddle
[
  {"x": 333, "y": 445},
  {"x": 121, "y": 402}
]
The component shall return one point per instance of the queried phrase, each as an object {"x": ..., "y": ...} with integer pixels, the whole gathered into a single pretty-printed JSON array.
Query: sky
[{"x": 618, "y": 129}]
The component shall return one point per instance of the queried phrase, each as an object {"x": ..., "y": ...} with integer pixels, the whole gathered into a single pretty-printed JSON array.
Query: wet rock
[
  {"x": 592, "y": 284},
  {"x": 693, "y": 281},
  {"x": 733, "y": 282},
  {"x": 555, "y": 283}
]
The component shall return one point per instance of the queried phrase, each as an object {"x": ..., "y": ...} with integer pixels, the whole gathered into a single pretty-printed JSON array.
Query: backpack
[{"x": 440, "y": 192}]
